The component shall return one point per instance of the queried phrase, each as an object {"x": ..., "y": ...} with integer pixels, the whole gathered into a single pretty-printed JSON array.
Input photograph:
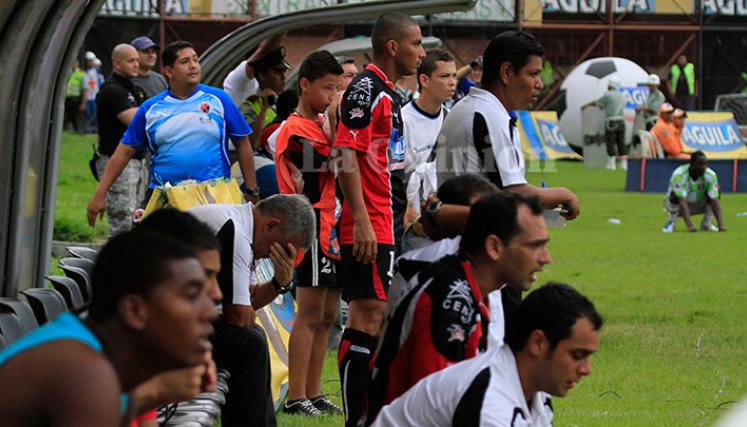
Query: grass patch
[{"x": 75, "y": 186}]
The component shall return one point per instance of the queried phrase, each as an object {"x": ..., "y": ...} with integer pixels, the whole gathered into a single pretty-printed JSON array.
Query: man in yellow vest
[{"x": 682, "y": 83}]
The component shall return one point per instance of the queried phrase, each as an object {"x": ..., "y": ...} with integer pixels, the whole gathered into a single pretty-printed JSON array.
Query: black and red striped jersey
[{"x": 371, "y": 124}]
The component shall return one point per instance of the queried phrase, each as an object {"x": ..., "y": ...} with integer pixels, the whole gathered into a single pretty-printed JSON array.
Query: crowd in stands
[{"x": 420, "y": 218}]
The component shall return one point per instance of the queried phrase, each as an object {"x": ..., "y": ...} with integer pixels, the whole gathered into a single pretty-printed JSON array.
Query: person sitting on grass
[
  {"x": 693, "y": 189},
  {"x": 301, "y": 160},
  {"x": 549, "y": 343},
  {"x": 150, "y": 313}
]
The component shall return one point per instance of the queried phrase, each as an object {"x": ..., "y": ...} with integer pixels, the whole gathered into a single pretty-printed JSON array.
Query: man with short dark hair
[
  {"x": 117, "y": 102},
  {"x": 152, "y": 82},
  {"x": 442, "y": 319},
  {"x": 693, "y": 189},
  {"x": 187, "y": 129},
  {"x": 480, "y": 134},
  {"x": 142, "y": 321},
  {"x": 371, "y": 146},
  {"x": 548, "y": 348},
  {"x": 276, "y": 227}
]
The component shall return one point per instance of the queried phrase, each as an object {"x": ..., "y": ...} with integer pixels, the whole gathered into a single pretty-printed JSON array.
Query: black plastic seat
[
  {"x": 69, "y": 290},
  {"x": 84, "y": 263},
  {"x": 81, "y": 277},
  {"x": 46, "y": 303},
  {"x": 10, "y": 326},
  {"x": 83, "y": 252},
  {"x": 24, "y": 312}
]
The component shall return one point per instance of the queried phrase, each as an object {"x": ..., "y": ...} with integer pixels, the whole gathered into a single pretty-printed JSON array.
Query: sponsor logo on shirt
[
  {"x": 354, "y": 134},
  {"x": 456, "y": 333},
  {"x": 459, "y": 300},
  {"x": 357, "y": 113}
]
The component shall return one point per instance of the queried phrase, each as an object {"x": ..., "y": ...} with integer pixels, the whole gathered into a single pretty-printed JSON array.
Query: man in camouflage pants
[{"x": 116, "y": 104}]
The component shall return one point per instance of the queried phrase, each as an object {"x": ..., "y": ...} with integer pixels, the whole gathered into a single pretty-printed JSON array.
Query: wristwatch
[
  {"x": 280, "y": 288},
  {"x": 430, "y": 213},
  {"x": 254, "y": 191}
]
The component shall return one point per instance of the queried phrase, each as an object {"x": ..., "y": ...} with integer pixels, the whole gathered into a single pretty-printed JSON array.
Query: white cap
[
  {"x": 614, "y": 82},
  {"x": 653, "y": 79},
  {"x": 97, "y": 62},
  {"x": 90, "y": 56}
]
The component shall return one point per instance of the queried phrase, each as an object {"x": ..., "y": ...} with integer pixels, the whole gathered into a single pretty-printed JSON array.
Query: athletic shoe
[
  {"x": 624, "y": 164},
  {"x": 708, "y": 227},
  {"x": 301, "y": 407},
  {"x": 668, "y": 227},
  {"x": 326, "y": 406}
]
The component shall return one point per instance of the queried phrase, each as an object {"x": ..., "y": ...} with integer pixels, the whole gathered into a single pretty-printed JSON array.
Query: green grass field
[{"x": 672, "y": 348}]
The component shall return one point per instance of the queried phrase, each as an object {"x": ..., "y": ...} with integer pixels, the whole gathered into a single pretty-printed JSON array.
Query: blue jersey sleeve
[
  {"x": 135, "y": 135},
  {"x": 236, "y": 125}
]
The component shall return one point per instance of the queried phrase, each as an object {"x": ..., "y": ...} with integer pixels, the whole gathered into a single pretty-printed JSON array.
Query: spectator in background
[
  {"x": 469, "y": 77},
  {"x": 693, "y": 189},
  {"x": 654, "y": 99},
  {"x": 117, "y": 102},
  {"x": 92, "y": 89},
  {"x": 678, "y": 121},
  {"x": 668, "y": 134},
  {"x": 150, "y": 81},
  {"x": 350, "y": 71},
  {"x": 683, "y": 84},
  {"x": 141, "y": 322},
  {"x": 302, "y": 159},
  {"x": 259, "y": 109},
  {"x": 287, "y": 103},
  {"x": 405, "y": 93},
  {"x": 75, "y": 99},
  {"x": 548, "y": 349},
  {"x": 613, "y": 104}
]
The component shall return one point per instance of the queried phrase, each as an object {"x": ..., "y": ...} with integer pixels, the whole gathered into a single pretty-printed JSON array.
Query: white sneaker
[
  {"x": 708, "y": 227},
  {"x": 668, "y": 227},
  {"x": 611, "y": 163},
  {"x": 624, "y": 164}
]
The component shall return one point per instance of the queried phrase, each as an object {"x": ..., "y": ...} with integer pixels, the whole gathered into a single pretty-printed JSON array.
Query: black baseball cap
[{"x": 273, "y": 60}]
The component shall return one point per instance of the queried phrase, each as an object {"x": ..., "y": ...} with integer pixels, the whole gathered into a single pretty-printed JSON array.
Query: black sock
[{"x": 354, "y": 358}]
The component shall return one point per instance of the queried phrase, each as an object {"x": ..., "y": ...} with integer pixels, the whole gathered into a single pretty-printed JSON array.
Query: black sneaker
[
  {"x": 301, "y": 407},
  {"x": 326, "y": 406}
]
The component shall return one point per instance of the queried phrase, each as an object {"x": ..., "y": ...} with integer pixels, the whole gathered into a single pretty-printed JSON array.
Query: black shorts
[
  {"x": 316, "y": 269},
  {"x": 371, "y": 280}
]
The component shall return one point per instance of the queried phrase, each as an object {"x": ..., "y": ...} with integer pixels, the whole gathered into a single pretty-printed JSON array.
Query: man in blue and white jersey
[{"x": 187, "y": 130}]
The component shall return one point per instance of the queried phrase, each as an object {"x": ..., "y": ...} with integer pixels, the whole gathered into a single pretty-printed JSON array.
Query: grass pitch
[{"x": 673, "y": 345}]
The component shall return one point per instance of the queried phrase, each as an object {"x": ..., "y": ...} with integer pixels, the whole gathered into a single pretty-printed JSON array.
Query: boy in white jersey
[
  {"x": 422, "y": 119},
  {"x": 549, "y": 343}
]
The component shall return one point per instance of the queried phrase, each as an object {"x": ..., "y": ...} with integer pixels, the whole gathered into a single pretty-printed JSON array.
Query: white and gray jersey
[
  {"x": 482, "y": 391},
  {"x": 479, "y": 136}
]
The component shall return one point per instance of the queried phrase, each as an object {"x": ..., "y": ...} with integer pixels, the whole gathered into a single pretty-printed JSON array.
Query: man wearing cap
[
  {"x": 613, "y": 103},
  {"x": 151, "y": 82},
  {"x": 654, "y": 99},
  {"x": 116, "y": 104},
  {"x": 678, "y": 121},
  {"x": 92, "y": 89},
  {"x": 667, "y": 134},
  {"x": 259, "y": 109}
]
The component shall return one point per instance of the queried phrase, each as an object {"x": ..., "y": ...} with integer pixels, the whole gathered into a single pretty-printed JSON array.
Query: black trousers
[{"x": 244, "y": 353}]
